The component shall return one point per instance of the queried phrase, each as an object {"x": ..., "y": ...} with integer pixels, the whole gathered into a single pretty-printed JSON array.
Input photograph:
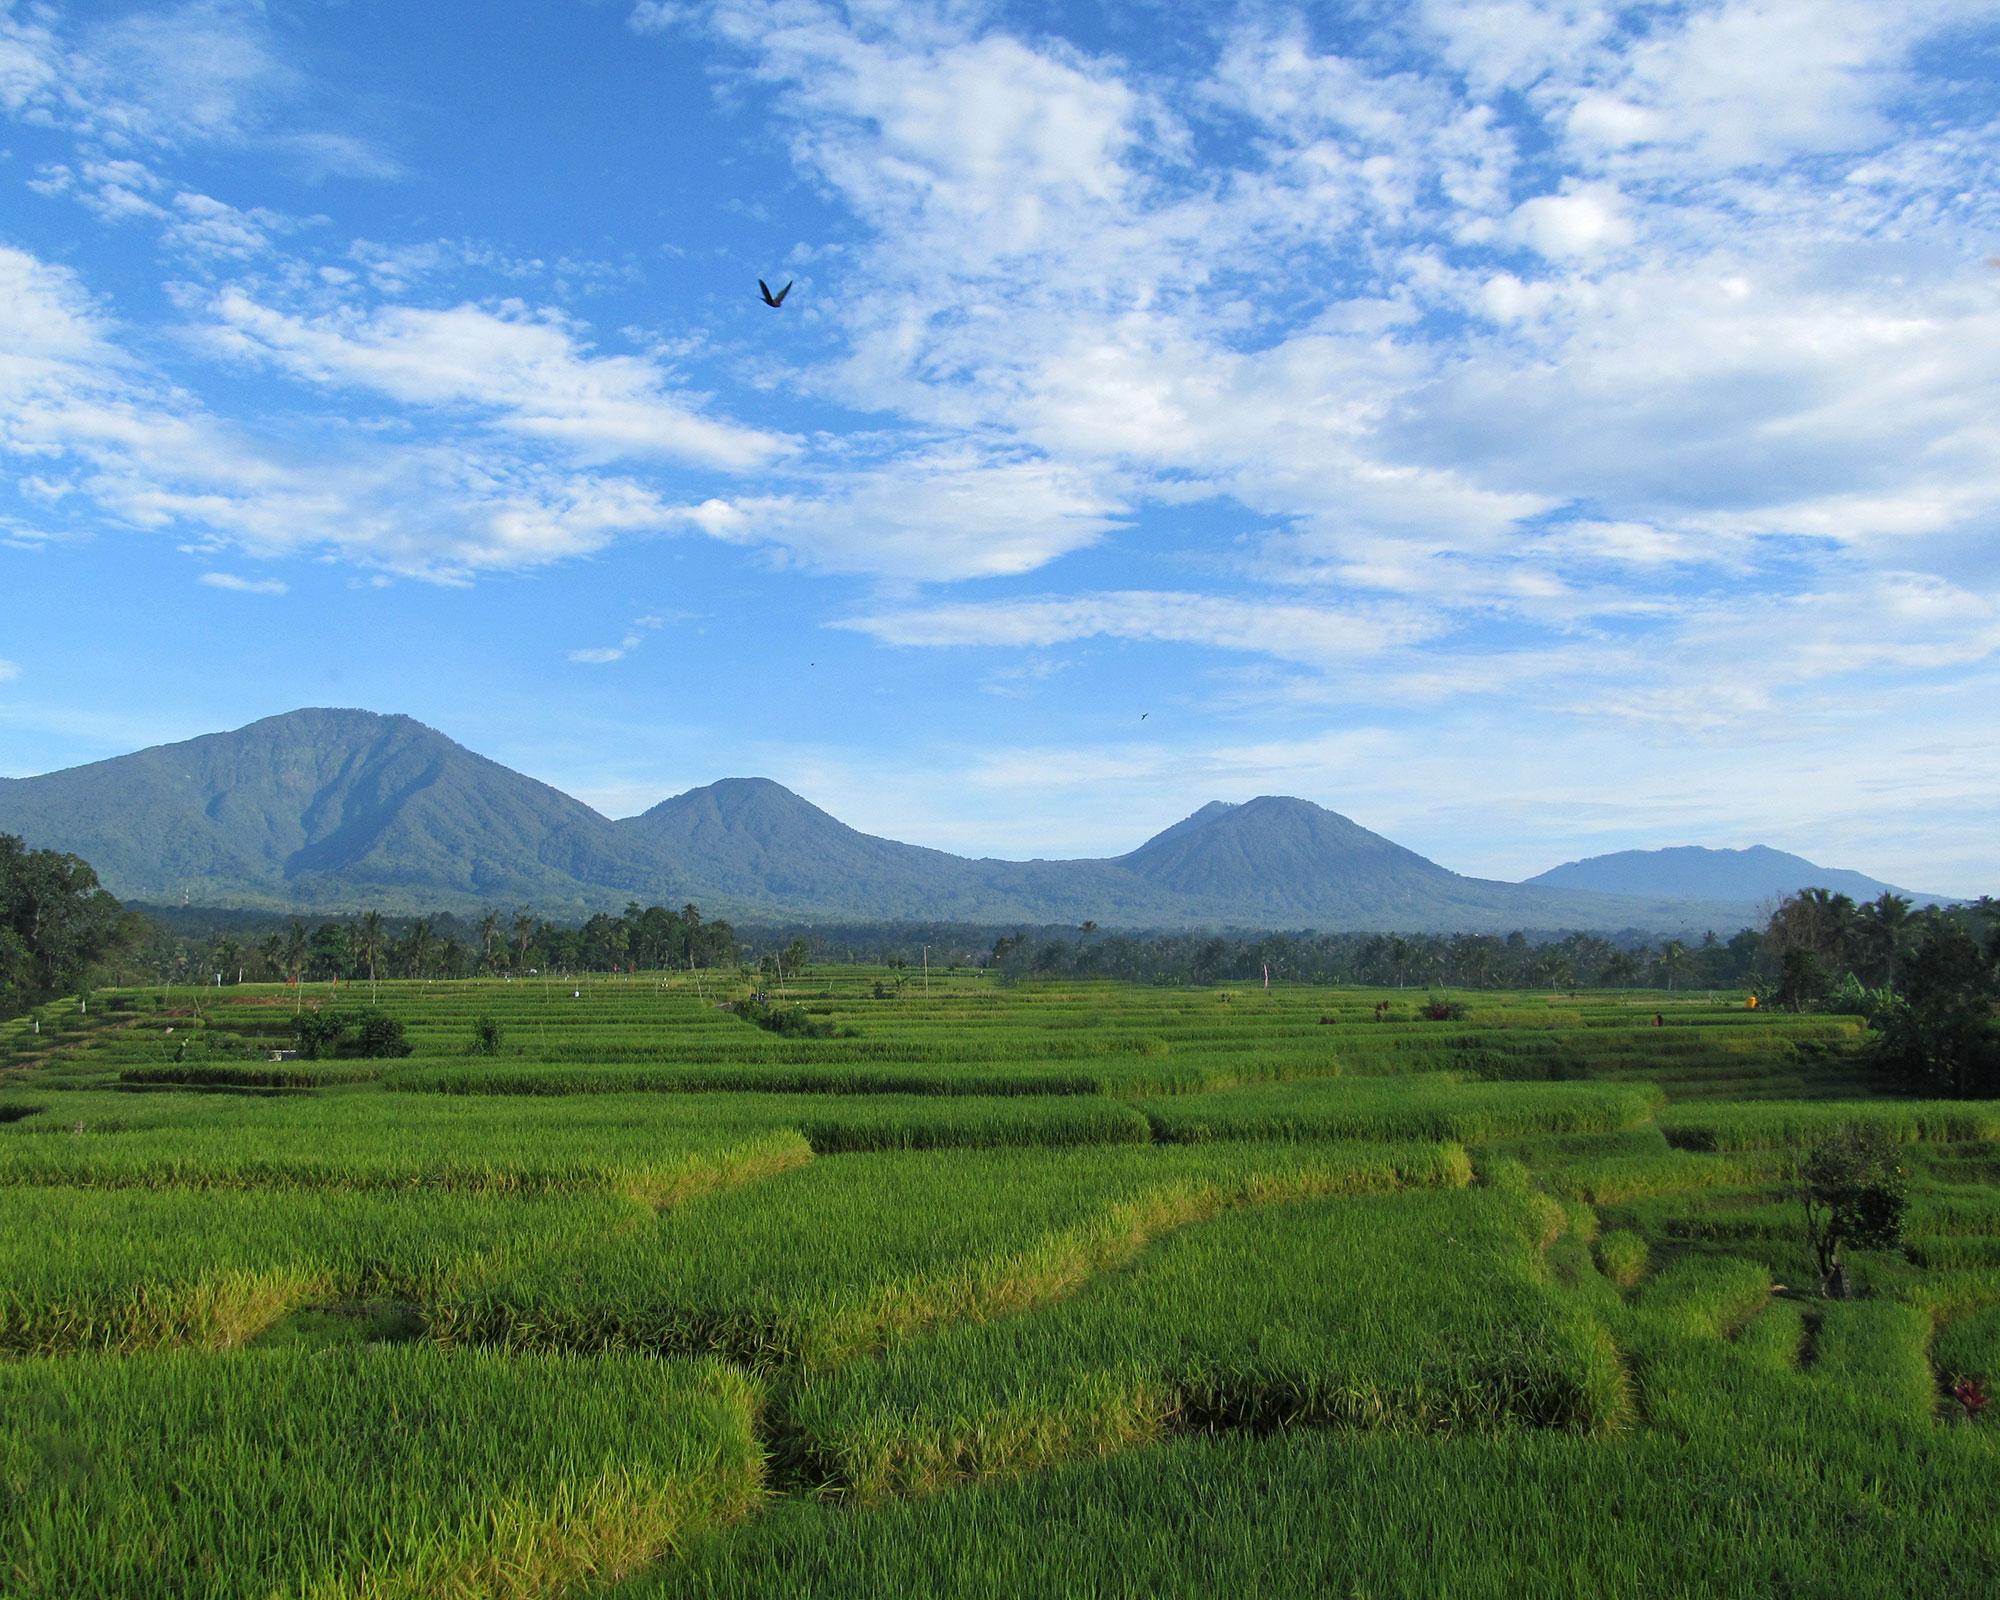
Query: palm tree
[
  {"x": 1883, "y": 925},
  {"x": 1399, "y": 955},
  {"x": 370, "y": 946},
  {"x": 1673, "y": 961},
  {"x": 419, "y": 947},
  {"x": 489, "y": 930}
]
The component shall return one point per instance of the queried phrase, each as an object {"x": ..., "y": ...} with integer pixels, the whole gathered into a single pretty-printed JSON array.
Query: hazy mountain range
[{"x": 330, "y": 810}]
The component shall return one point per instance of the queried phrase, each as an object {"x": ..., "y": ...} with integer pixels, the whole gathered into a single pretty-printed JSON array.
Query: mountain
[
  {"x": 1692, "y": 872},
  {"x": 322, "y": 809},
  {"x": 326, "y": 810}
]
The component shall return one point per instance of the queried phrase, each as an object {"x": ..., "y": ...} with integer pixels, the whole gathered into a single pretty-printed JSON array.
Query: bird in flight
[
  {"x": 774, "y": 300},
  {"x": 1144, "y": 715}
]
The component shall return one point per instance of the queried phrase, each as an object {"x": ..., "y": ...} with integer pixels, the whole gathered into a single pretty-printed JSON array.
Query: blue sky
[{"x": 1530, "y": 429}]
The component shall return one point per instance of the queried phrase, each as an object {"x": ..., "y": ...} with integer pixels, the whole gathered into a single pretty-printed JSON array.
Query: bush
[
  {"x": 486, "y": 1037},
  {"x": 380, "y": 1035},
  {"x": 319, "y": 1032},
  {"x": 1443, "y": 1010},
  {"x": 788, "y": 1022}
]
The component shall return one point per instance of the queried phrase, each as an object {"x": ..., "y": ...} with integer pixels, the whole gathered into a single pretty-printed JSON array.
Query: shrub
[
  {"x": 1438, "y": 1010},
  {"x": 380, "y": 1035},
  {"x": 486, "y": 1037},
  {"x": 319, "y": 1032},
  {"x": 787, "y": 1022}
]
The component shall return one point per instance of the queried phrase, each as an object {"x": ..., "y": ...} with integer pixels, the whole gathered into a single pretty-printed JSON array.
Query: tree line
[
  {"x": 1925, "y": 980},
  {"x": 1515, "y": 960},
  {"x": 372, "y": 947}
]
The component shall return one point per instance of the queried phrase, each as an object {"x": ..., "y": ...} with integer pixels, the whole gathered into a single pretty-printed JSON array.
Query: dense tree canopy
[
  {"x": 55, "y": 922},
  {"x": 374, "y": 946}
]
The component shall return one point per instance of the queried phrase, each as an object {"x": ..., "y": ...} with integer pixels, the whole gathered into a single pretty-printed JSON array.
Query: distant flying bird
[
  {"x": 1144, "y": 715},
  {"x": 774, "y": 300}
]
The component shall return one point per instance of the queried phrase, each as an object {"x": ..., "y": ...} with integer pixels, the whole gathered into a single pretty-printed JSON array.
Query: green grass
[
  {"x": 1430, "y": 1106},
  {"x": 1780, "y": 1126},
  {"x": 839, "y": 1258},
  {"x": 132, "y": 1269},
  {"x": 360, "y": 1471},
  {"x": 1305, "y": 1512},
  {"x": 1416, "y": 1313},
  {"x": 1070, "y": 1289},
  {"x": 649, "y": 1149}
]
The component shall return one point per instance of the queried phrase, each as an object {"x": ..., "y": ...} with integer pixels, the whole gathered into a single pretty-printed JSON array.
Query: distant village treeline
[{"x": 1827, "y": 939}]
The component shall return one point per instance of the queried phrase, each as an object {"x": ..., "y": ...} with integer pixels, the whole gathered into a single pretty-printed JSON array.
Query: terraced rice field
[{"x": 1065, "y": 1289}]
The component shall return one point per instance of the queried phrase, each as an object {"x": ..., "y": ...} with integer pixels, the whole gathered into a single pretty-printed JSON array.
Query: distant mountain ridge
[
  {"x": 1695, "y": 872},
  {"x": 330, "y": 810}
]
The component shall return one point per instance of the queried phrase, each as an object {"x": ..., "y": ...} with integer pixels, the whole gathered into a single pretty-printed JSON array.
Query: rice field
[{"x": 1068, "y": 1289}]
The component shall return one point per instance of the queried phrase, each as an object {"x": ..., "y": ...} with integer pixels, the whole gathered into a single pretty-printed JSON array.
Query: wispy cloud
[
  {"x": 203, "y": 73},
  {"x": 604, "y": 655},
  {"x": 143, "y": 451},
  {"x": 239, "y": 585},
  {"x": 530, "y": 368}
]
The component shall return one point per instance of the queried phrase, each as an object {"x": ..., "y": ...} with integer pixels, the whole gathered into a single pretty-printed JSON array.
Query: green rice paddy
[{"x": 1055, "y": 1289}]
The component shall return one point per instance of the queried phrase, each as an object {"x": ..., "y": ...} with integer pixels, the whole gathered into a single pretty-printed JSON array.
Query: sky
[{"x": 1530, "y": 429}]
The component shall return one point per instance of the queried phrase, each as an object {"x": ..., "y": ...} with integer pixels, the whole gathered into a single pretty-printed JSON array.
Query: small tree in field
[
  {"x": 1855, "y": 1192},
  {"x": 318, "y": 1032},
  {"x": 378, "y": 1035}
]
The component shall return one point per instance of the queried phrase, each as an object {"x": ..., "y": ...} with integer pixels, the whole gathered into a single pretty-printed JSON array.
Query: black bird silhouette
[
  {"x": 1144, "y": 715},
  {"x": 774, "y": 300}
]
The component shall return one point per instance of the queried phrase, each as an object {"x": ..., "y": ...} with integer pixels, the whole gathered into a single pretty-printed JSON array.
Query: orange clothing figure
[{"x": 1751, "y": 1003}]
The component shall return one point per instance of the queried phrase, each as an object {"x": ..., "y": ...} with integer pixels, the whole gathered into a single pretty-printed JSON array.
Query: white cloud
[
  {"x": 103, "y": 428},
  {"x": 237, "y": 585},
  {"x": 623, "y": 648},
  {"x": 9, "y": 669},
  {"x": 1315, "y": 635},
  {"x": 532, "y": 369},
  {"x": 1582, "y": 221},
  {"x": 933, "y": 516},
  {"x": 202, "y": 73}
]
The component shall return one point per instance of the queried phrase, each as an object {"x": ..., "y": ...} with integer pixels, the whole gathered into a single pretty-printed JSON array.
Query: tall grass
[
  {"x": 1784, "y": 1125},
  {"x": 1429, "y": 1106},
  {"x": 649, "y": 1149},
  {"x": 379, "y": 1472},
  {"x": 131, "y": 1269},
  {"x": 837, "y": 1259},
  {"x": 1412, "y": 1313},
  {"x": 1309, "y": 1512}
]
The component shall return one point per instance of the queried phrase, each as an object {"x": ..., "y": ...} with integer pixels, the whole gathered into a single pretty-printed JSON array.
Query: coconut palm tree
[
  {"x": 420, "y": 946},
  {"x": 370, "y": 946},
  {"x": 1674, "y": 961},
  {"x": 1882, "y": 928}
]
